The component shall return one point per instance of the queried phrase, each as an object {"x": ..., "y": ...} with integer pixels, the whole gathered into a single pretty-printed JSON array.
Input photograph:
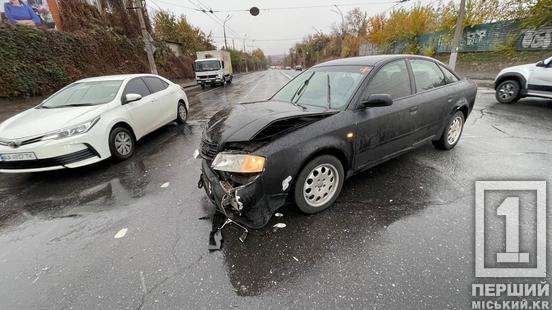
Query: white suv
[{"x": 532, "y": 80}]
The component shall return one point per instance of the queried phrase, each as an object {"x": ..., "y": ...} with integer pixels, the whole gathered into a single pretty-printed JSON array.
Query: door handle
[
  {"x": 449, "y": 99},
  {"x": 413, "y": 110}
]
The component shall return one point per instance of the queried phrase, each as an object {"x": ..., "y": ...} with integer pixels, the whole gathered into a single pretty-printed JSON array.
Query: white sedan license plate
[{"x": 18, "y": 156}]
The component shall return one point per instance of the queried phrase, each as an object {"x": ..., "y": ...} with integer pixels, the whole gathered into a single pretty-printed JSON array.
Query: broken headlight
[{"x": 239, "y": 163}]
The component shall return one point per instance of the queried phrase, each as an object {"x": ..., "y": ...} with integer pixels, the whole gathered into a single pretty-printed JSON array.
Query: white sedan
[{"x": 88, "y": 121}]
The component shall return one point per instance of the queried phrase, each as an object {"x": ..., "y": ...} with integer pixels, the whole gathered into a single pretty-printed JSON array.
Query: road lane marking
[
  {"x": 285, "y": 74},
  {"x": 254, "y": 87},
  {"x": 143, "y": 282}
]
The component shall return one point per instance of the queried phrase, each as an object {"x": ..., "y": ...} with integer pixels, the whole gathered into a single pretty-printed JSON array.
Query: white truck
[{"x": 213, "y": 67}]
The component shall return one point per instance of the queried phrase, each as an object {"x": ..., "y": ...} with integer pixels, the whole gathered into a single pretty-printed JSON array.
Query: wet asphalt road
[{"x": 399, "y": 236}]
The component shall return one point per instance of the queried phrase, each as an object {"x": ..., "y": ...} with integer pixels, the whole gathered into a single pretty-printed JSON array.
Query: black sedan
[{"x": 332, "y": 121}]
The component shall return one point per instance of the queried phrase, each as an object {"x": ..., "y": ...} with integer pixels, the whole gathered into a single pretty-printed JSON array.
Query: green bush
[{"x": 38, "y": 62}]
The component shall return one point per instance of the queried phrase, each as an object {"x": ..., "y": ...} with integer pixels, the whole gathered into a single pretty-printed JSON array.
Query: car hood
[
  {"x": 244, "y": 121},
  {"x": 35, "y": 121}
]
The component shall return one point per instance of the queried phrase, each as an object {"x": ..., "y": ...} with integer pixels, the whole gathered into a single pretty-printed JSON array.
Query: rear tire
[
  {"x": 508, "y": 91},
  {"x": 121, "y": 143},
  {"x": 181, "y": 113},
  {"x": 202, "y": 86},
  {"x": 319, "y": 184},
  {"x": 452, "y": 133}
]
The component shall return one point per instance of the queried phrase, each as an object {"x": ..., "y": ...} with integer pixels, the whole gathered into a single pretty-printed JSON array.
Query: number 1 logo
[{"x": 509, "y": 210}]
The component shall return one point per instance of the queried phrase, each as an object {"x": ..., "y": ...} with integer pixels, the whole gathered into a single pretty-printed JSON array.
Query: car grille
[
  {"x": 207, "y": 76},
  {"x": 208, "y": 149},
  {"x": 50, "y": 162},
  {"x": 19, "y": 142}
]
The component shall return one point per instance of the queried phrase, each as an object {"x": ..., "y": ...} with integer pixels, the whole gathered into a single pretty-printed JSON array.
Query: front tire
[
  {"x": 508, "y": 91},
  {"x": 319, "y": 184},
  {"x": 121, "y": 143},
  {"x": 182, "y": 113},
  {"x": 452, "y": 133}
]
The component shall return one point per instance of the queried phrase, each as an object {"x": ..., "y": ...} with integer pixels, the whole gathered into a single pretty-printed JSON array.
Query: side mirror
[
  {"x": 131, "y": 98},
  {"x": 377, "y": 100},
  {"x": 541, "y": 64}
]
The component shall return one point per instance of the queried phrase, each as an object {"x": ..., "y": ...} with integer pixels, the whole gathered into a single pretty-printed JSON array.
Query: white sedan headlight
[
  {"x": 239, "y": 163},
  {"x": 71, "y": 131}
]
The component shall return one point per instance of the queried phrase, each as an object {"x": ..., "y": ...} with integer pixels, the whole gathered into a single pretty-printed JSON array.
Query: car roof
[
  {"x": 368, "y": 60},
  {"x": 115, "y": 77}
]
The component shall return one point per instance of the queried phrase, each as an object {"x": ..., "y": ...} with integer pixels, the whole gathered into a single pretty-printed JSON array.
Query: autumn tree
[{"x": 170, "y": 28}]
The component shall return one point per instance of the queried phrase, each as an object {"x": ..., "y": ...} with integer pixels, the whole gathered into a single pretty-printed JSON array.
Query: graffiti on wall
[
  {"x": 475, "y": 37},
  {"x": 537, "y": 38},
  {"x": 479, "y": 38}
]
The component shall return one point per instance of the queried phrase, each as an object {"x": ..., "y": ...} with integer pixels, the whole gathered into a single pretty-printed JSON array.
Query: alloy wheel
[
  {"x": 123, "y": 143},
  {"x": 321, "y": 185},
  {"x": 182, "y": 113},
  {"x": 454, "y": 131},
  {"x": 507, "y": 91}
]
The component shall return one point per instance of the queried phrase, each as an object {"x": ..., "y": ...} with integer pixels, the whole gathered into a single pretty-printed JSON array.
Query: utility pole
[
  {"x": 224, "y": 29},
  {"x": 458, "y": 32},
  {"x": 233, "y": 44},
  {"x": 245, "y": 53},
  {"x": 342, "y": 30},
  {"x": 146, "y": 37}
]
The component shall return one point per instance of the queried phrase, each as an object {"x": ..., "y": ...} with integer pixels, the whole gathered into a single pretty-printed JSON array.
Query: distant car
[
  {"x": 288, "y": 68},
  {"x": 298, "y": 68},
  {"x": 334, "y": 120},
  {"x": 532, "y": 80},
  {"x": 88, "y": 121}
]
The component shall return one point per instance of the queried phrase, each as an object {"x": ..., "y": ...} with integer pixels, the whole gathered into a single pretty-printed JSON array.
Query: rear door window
[
  {"x": 449, "y": 76},
  {"x": 137, "y": 86},
  {"x": 391, "y": 79},
  {"x": 155, "y": 84},
  {"x": 427, "y": 75}
]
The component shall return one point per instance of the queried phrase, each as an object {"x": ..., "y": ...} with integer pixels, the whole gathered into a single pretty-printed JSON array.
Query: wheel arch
[
  {"x": 330, "y": 150},
  {"x": 124, "y": 125},
  {"x": 511, "y": 76}
]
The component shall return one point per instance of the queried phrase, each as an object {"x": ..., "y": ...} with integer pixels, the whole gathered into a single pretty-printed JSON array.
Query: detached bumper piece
[
  {"x": 247, "y": 205},
  {"x": 50, "y": 162}
]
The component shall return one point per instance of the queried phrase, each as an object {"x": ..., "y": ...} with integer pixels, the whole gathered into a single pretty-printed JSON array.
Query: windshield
[
  {"x": 328, "y": 87},
  {"x": 84, "y": 94},
  {"x": 208, "y": 65}
]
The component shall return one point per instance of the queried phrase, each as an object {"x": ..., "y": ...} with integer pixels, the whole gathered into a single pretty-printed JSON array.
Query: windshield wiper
[{"x": 300, "y": 90}]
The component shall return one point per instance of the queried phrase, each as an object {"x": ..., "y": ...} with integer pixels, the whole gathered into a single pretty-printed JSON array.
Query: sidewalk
[{"x": 484, "y": 83}]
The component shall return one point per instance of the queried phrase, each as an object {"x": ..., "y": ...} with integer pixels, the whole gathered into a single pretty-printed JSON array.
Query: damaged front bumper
[{"x": 248, "y": 204}]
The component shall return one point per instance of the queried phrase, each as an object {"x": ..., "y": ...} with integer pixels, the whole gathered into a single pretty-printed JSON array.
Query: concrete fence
[{"x": 480, "y": 38}]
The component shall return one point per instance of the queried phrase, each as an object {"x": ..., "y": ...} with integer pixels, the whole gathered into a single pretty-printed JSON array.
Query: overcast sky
[{"x": 274, "y": 31}]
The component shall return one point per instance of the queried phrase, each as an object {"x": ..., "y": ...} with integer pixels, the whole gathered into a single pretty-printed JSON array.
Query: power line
[
  {"x": 217, "y": 17},
  {"x": 206, "y": 9}
]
